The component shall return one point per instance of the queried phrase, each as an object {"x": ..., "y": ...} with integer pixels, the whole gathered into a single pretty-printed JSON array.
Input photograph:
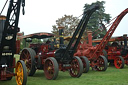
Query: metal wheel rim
[
  {"x": 118, "y": 62},
  {"x": 19, "y": 73},
  {"x": 25, "y": 56},
  {"x": 74, "y": 70},
  {"x": 49, "y": 69},
  {"x": 100, "y": 64}
]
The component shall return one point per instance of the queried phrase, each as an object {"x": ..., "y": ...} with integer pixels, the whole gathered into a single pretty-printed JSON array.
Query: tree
[
  {"x": 97, "y": 20},
  {"x": 69, "y": 22},
  {"x": 25, "y": 42},
  {"x": 96, "y": 23}
]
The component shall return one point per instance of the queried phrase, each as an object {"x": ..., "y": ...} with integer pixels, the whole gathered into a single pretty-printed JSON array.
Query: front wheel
[
  {"x": 51, "y": 68},
  {"x": 21, "y": 73},
  {"x": 119, "y": 62},
  {"x": 76, "y": 69},
  {"x": 86, "y": 64},
  {"x": 101, "y": 64}
]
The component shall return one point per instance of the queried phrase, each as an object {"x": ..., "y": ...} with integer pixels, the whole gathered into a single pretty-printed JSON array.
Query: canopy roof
[
  {"x": 39, "y": 35},
  {"x": 112, "y": 39}
]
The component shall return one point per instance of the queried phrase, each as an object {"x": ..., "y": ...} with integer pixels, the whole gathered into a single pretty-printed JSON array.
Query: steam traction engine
[
  {"x": 8, "y": 31},
  {"x": 95, "y": 53},
  {"x": 118, "y": 54},
  {"x": 52, "y": 60},
  {"x": 117, "y": 51}
]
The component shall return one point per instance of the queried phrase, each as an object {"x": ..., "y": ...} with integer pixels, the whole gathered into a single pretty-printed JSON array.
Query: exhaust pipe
[
  {"x": 89, "y": 38},
  {"x": 125, "y": 40},
  {"x": 61, "y": 36}
]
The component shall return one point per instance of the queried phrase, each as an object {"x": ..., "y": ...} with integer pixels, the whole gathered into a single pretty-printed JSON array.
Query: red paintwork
[
  {"x": 114, "y": 51},
  {"x": 86, "y": 49},
  {"x": 17, "y": 47}
]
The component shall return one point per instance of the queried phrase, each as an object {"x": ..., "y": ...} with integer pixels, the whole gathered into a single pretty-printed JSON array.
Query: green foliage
[
  {"x": 68, "y": 22},
  {"x": 25, "y": 43},
  {"x": 96, "y": 23},
  {"x": 97, "y": 20},
  {"x": 22, "y": 44},
  {"x": 36, "y": 40}
]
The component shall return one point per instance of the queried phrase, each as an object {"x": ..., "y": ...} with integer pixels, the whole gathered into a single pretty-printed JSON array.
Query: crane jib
[{"x": 83, "y": 23}]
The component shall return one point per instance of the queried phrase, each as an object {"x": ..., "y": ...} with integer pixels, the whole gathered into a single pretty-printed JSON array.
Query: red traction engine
[
  {"x": 42, "y": 56},
  {"x": 117, "y": 52},
  {"x": 8, "y": 32},
  {"x": 51, "y": 59}
]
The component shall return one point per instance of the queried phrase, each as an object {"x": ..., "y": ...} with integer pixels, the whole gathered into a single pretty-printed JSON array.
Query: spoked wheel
[
  {"x": 21, "y": 73},
  {"x": 101, "y": 64},
  {"x": 119, "y": 62},
  {"x": 76, "y": 69},
  {"x": 86, "y": 64},
  {"x": 27, "y": 55},
  {"x": 51, "y": 68}
]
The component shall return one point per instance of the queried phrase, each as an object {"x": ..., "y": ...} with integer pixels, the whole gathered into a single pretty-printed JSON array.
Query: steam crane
[
  {"x": 95, "y": 54},
  {"x": 8, "y": 32}
]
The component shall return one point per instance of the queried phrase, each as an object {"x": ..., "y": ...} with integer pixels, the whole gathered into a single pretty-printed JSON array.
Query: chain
[{"x": 23, "y": 5}]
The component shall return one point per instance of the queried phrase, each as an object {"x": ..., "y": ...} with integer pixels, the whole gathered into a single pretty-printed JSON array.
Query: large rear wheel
[
  {"x": 21, "y": 73},
  {"x": 51, "y": 68},
  {"x": 28, "y": 56},
  {"x": 76, "y": 69}
]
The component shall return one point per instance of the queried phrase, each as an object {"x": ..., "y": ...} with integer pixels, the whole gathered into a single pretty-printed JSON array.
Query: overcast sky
[{"x": 40, "y": 15}]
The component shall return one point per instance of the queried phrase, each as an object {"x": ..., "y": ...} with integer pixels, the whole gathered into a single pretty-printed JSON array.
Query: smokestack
[
  {"x": 61, "y": 36},
  {"x": 125, "y": 40},
  {"x": 89, "y": 38}
]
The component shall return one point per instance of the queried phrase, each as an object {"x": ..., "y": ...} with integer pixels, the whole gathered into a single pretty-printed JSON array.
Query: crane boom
[{"x": 109, "y": 33}]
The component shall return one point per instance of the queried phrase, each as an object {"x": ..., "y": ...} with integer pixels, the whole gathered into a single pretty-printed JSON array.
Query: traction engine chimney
[
  {"x": 89, "y": 38},
  {"x": 61, "y": 36},
  {"x": 125, "y": 40}
]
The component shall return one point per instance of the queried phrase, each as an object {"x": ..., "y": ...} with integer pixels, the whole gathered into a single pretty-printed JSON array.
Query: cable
[{"x": 3, "y": 7}]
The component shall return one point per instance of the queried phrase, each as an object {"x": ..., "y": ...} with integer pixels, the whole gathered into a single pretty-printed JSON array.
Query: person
[{"x": 48, "y": 41}]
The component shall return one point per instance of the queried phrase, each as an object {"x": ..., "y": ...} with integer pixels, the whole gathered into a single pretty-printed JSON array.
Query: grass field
[{"x": 111, "y": 76}]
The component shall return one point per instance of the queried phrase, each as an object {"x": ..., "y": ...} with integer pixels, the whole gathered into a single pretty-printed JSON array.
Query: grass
[{"x": 111, "y": 76}]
